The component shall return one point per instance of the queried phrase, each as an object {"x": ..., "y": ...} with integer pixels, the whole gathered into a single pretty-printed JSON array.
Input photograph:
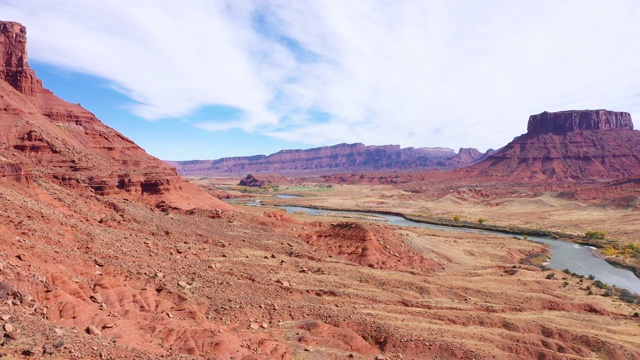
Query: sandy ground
[
  {"x": 100, "y": 277},
  {"x": 523, "y": 209}
]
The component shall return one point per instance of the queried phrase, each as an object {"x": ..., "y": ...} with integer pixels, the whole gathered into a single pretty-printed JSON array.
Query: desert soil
[{"x": 100, "y": 277}]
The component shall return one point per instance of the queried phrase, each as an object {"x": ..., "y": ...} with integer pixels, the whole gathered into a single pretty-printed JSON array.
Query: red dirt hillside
[
  {"x": 43, "y": 136},
  {"x": 369, "y": 245}
]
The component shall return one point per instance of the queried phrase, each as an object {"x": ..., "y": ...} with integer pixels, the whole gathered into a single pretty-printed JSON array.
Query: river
[{"x": 579, "y": 259}]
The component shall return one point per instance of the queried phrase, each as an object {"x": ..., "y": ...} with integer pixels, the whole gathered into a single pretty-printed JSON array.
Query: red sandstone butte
[
  {"x": 42, "y": 135},
  {"x": 576, "y": 145}
]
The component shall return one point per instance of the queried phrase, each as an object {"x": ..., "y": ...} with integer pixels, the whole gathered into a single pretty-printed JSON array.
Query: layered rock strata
[
  {"x": 569, "y": 146},
  {"x": 567, "y": 121},
  {"x": 13, "y": 59},
  {"x": 334, "y": 159},
  {"x": 43, "y": 136}
]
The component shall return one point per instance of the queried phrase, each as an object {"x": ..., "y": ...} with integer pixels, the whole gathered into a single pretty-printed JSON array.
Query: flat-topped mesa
[
  {"x": 577, "y": 120},
  {"x": 14, "y": 68}
]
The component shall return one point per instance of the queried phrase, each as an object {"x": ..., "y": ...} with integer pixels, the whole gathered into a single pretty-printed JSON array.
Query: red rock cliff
[
  {"x": 43, "y": 136},
  {"x": 566, "y": 121},
  {"x": 13, "y": 62},
  {"x": 580, "y": 145},
  {"x": 332, "y": 159}
]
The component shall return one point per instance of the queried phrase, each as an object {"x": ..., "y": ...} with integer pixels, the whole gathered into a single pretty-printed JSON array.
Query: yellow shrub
[{"x": 609, "y": 250}]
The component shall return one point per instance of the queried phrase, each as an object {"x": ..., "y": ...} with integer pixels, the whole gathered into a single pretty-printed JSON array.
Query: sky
[{"x": 205, "y": 79}]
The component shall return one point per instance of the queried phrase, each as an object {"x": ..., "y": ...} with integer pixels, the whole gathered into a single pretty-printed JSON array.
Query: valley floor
[
  {"x": 513, "y": 209},
  {"x": 101, "y": 277}
]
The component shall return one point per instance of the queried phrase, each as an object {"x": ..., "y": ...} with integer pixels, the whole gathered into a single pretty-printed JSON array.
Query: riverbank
[{"x": 525, "y": 233}]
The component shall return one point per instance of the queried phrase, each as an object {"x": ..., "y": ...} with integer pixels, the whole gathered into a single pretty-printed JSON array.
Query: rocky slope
[
  {"x": 334, "y": 159},
  {"x": 89, "y": 270},
  {"x": 569, "y": 146},
  {"x": 45, "y": 137}
]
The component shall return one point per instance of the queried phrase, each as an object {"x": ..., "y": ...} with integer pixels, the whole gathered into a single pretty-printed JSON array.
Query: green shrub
[
  {"x": 551, "y": 276},
  {"x": 481, "y": 221},
  {"x": 632, "y": 250},
  {"x": 629, "y": 297},
  {"x": 456, "y": 218},
  {"x": 595, "y": 235}
]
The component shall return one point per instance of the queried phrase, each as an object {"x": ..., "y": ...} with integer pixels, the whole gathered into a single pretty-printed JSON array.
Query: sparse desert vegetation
[
  {"x": 108, "y": 253},
  {"x": 595, "y": 235}
]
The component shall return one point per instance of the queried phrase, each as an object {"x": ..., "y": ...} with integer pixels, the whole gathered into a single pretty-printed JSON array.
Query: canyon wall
[
  {"x": 576, "y": 145},
  {"x": 334, "y": 159},
  {"x": 45, "y": 137},
  {"x": 567, "y": 121}
]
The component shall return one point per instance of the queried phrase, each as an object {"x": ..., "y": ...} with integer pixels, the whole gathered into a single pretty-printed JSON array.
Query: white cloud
[
  {"x": 169, "y": 58},
  {"x": 415, "y": 73}
]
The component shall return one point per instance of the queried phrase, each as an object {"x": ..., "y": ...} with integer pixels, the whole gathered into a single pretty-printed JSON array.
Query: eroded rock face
[
  {"x": 333, "y": 159},
  {"x": 368, "y": 245},
  {"x": 13, "y": 62},
  {"x": 566, "y": 121},
  {"x": 262, "y": 180},
  {"x": 13, "y": 171},
  {"x": 569, "y": 146},
  {"x": 468, "y": 156},
  {"x": 43, "y": 136}
]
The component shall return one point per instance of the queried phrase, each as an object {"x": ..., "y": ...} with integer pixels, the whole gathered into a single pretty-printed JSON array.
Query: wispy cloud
[{"x": 416, "y": 73}]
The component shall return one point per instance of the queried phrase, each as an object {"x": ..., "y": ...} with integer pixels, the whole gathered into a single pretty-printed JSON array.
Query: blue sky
[
  {"x": 205, "y": 79},
  {"x": 169, "y": 138}
]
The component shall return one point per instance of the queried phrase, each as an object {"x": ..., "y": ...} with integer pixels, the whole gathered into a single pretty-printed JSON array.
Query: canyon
[{"x": 107, "y": 252}]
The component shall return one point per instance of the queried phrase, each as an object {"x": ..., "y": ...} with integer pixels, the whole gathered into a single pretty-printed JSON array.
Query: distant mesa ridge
[
  {"x": 576, "y": 120},
  {"x": 335, "y": 159},
  {"x": 42, "y": 136}
]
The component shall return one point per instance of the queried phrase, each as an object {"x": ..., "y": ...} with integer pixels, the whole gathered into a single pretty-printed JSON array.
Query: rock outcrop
[
  {"x": 468, "y": 156},
  {"x": 263, "y": 180},
  {"x": 566, "y": 121},
  {"x": 13, "y": 62},
  {"x": 569, "y": 146},
  {"x": 333, "y": 159},
  {"x": 43, "y": 136}
]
